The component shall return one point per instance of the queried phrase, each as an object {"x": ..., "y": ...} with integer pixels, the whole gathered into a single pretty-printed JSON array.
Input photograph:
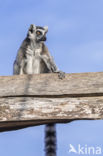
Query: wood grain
[
  {"x": 35, "y": 111},
  {"x": 78, "y": 84},
  {"x": 30, "y": 100}
]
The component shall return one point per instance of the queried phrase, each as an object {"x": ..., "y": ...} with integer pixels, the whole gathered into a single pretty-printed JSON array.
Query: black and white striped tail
[{"x": 50, "y": 140}]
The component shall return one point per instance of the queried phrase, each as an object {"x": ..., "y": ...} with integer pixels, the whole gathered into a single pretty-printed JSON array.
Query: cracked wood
[
  {"x": 30, "y": 100},
  {"x": 21, "y": 112}
]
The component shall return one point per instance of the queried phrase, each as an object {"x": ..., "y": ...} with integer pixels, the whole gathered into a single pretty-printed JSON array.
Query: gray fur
[{"x": 33, "y": 57}]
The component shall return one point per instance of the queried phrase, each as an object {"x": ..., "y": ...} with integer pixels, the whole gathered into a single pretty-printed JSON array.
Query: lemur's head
[{"x": 37, "y": 33}]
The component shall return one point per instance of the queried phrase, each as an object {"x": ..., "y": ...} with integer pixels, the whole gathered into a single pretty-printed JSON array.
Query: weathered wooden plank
[
  {"x": 28, "y": 100},
  {"x": 17, "y": 112},
  {"x": 81, "y": 84}
]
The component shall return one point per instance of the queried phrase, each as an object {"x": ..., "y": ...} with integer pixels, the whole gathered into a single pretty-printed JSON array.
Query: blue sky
[{"x": 75, "y": 39}]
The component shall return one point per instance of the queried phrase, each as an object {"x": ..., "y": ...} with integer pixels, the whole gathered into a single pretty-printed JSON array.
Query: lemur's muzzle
[{"x": 43, "y": 38}]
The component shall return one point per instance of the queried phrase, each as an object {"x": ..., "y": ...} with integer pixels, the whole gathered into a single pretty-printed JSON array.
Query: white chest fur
[
  {"x": 36, "y": 61},
  {"x": 33, "y": 61}
]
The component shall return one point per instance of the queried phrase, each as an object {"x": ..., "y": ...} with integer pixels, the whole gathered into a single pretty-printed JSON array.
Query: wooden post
[{"x": 29, "y": 100}]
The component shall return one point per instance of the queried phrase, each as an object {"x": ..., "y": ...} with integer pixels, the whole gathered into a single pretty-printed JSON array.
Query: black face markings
[
  {"x": 38, "y": 32},
  {"x": 38, "y": 27},
  {"x": 31, "y": 28}
]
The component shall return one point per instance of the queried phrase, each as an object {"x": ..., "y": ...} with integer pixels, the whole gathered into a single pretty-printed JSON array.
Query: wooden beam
[
  {"x": 80, "y": 84},
  {"x": 30, "y": 100}
]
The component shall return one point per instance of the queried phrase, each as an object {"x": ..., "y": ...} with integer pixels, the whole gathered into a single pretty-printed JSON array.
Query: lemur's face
[
  {"x": 41, "y": 33},
  {"x": 37, "y": 33}
]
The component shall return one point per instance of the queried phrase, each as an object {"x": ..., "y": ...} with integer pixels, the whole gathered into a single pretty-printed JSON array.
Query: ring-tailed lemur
[{"x": 33, "y": 57}]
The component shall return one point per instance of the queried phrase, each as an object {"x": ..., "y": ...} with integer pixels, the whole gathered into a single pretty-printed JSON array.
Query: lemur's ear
[
  {"x": 46, "y": 28},
  {"x": 32, "y": 28}
]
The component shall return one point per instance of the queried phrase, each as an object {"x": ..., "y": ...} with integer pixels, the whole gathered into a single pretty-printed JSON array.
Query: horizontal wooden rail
[{"x": 29, "y": 100}]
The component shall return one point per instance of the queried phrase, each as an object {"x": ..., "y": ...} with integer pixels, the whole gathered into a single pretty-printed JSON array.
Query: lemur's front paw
[{"x": 61, "y": 75}]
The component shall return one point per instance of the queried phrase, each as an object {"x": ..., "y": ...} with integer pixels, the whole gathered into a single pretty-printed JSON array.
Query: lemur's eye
[{"x": 38, "y": 33}]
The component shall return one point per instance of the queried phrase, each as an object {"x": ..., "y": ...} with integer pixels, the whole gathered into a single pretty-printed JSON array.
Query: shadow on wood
[{"x": 28, "y": 100}]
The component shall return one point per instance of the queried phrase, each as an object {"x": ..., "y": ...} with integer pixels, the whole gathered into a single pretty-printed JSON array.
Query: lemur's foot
[{"x": 61, "y": 75}]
